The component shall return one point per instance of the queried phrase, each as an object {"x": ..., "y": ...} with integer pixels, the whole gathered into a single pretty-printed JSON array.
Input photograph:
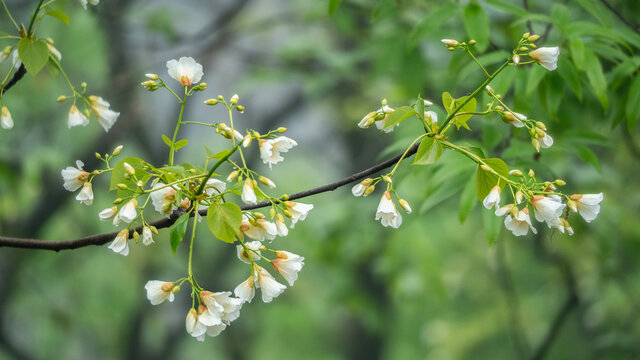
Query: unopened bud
[
  {"x": 175, "y": 289},
  {"x": 489, "y": 89},
  {"x": 240, "y": 108},
  {"x": 220, "y": 97},
  {"x": 524, "y": 48},
  {"x": 516, "y": 59},
  {"x": 472, "y": 42},
  {"x": 83, "y": 85},
  {"x": 572, "y": 205},
  {"x": 86, "y": 113},
  {"x": 140, "y": 183},
  {"x": 405, "y": 205},
  {"x": 533, "y": 37},
  {"x": 366, "y": 182},
  {"x": 185, "y": 204},
  {"x": 450, "y": 43},
  {"x": 98, "y": 156},
  {"x": 151, "y": 76},
  {"x": 541, "y": 125},
  {"x": 387, "y": 179},
  {"x": 122, "y": 186},
  {"x": 149, "y": 85},
  {"x": 369, "y": 190},
  {"x": 533, "y": 46},
  {"x": 536, "y": 144},
  {"x": 117, "y": 150},
  {"x": 383, "y": 102},
  {"x": 117, "y": 201},
  {"x": 526, "y": 35},
  {"x": 200, "y": 87},
  {"x": 285, "y": 197},
  {"x": 258, "y": 215},
  {"x": 61, "y": 98},
  {"x": 281, "y": 129},
  {"x": 136, "y": 236},
  {"x": 267, "y": 181},
  {"x": 519, "y": 197},
  {"x": 532, "y": 173},
  {"x": 234, "y": 99},
  {"x": 287, "y": 213},
  {"x": 246, "y": 141},
  {"x": 129, "y": 169},
  {"x": 540, "y": 133},
  {"x": 211, "y": 102},
  {"x": 516, "y": 173},
  {"x": 272, "y": 213},
  {"x": 153, "y": 229},
  {"x": 499, "y": 108},
  {"x": 560, "y": 182},
  {"x": 234, "y": 174},
  {"x": 279, "y": 218}
]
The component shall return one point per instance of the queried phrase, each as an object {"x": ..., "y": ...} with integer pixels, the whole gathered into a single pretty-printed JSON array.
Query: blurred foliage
[{"x": 435, "y": 288}]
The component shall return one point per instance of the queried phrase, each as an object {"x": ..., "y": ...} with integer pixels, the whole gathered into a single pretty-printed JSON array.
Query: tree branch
[
  {"x": 631, "y": 25},
  {"x": 16, "y": 77},
  {"x": 101, "y": 239}
]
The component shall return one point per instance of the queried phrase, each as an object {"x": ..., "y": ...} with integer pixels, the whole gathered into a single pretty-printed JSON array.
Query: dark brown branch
[
  {"x": 101, "y": 239},
  {"x": 16, "y": 77}
]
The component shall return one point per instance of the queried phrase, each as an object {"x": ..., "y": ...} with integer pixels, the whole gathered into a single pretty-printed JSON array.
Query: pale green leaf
[
  {"x": 177, "y": 231},
  {"x": 224, "y": 221},
  {"x": 34, "y": 54}
]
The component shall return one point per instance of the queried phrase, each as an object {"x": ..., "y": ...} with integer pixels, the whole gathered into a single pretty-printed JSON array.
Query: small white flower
[
  {"x": 492, "y": 200},
  {"x": 243, "y": 255},
  {"x": 163, "y": 198},
  {"x": 6, "y": 121},
  {"x": 259, "y": 229},
  {"x": 288, "y": 265},
  {"x": 76, "y": 118},
  {"x": 298, "y": 211},
  {"x": 561, "y": 225},
  {"x": 222, "y": 306},
  {"x": 358, "y": 190},
  {"x": 85, "y": 195},
  {"x": 386, "y": 110},
  {"x": 106, "y": 116},
  {"x": 546, "y": 141},
  {"x": 194, "y": 327},
  {"x": 387, "y": 212},
  {"x": 108, "y": 213},
  {"x": 546, "y": 208},
  {"x": 202, "y": 322},
  {"x": 246, "y": 290},
  {"x": 281, "y": 227},
  {"x": 504, "y": 210},
  {"x": 128, "y": 212},
  {"x": 159, "y": 291},
  {"x": 514, "y": 118},
  {"x": 147, "y": 236},
  {"x": 74, "y": 178},
  {"x": 450, "y": 42},
  {"x": 367, "y": 120},
  {"x": 120, "y": 244},
  {"x": 521, "y": 224},
  {"x": 186, "y": 71},
  {"x": 270, "y": 149},
  {"x": 546, "y": 56},
  {"x": 431, "y": 117},
  {"x": 248, "y": 194},
  {"x": 269, "y": 287},
  {"x": 92, "y": 2},
  {"x": 588, "y": 205}
]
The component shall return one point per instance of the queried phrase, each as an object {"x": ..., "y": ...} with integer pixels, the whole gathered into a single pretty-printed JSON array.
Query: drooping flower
[
  {"x": 546, "y": 141},
  {"x": 258, "y": 229},
  {"x": 514, "y": 118},
  {"x": 194, "y": 327},
  {"x": 270, "y": 149},
  {"x": 76, "y": 118},
  {"x": 159, "y": 291},
  {"x": 85, "y": 195},
  {"x": 521, "y": 224},
  {"x": 248, "y": 194},
  {"x": 561, "y": 225},
  {"x": 546, "y": 208},
  {"x": 269, "y": 287},
  {"x": 101, "y": 109},
  {"x": 147, "y": 236},
  {"x": 588, "y": 205},
  {"x": 387, "y": 212},
  {"x": 288, "y": 265},
  {"x": 360, "y": 188},
  {"x": 163, "y": 198},
  {"x": 128, "y": 212},
  {"x": 546, "y": 56},
  {"x": 298, "y": 211},
  {"x": 120, "y": 244},
  {"x": 74, "y": 177},
  {"x": 108, "y": 213},
  {"x": 202, "y": 322},
  {"x": 492, "y": 200},
  {"x": 222, "y": 304},
  {"x": 367, "y": 120},
  {"x": 386, "y": 110},
  {"x": 246, "y": 290},
  {"x": 6, "y": 121},
  {"x": 92, "y": 2},
  {"x": 186, "y": 71},
  {"x": 281, "y": 227},
  {"x": 244, "y": 255}
]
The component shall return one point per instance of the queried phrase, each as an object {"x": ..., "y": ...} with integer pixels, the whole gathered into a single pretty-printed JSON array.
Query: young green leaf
[
  {"x": 34, "y": 54},
  {"x": 333, "y": 6},
  {"x": 492, "y": 226},
  {"x": 486, "y": 180},
  {"x": 399, "y": 115},
  {"x": 461, "y": 120},
  {"x": 177, "y": 231},
  {"x": 118, "y": 173},
  {"x": 447, "y": 101},
  {"x": 167, "y": 141},
  {"x": 429, "y": 152},
  {"x": 180, "y": 144},
  {"x": 598, "y": 82},
  {"x": 467, "y": 200},
  {"x": 224, "y": 221},
  {"x": 58, "y": 15}
]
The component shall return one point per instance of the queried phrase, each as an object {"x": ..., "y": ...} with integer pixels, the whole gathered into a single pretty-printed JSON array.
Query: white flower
[
  {"x": 147, "y": 236},
  {"x": 186, "y": 71},
  {"x": 492, "y": 200},
  {"x": 367, "y": 120},
  {"x": 519, "y": 225},
  {"x": 380, "y": 124},
  {"x": 55, "y": 52},
  {"x": 92, "y": 2},
  {"x": 120, "y": 244},
  {"x": 270, "y": 288},
  {"x": 431, "y": 117},
  {"x": 243, "y": 255},
  {"x": 270, "y": 149},
  {"x": 74, "y": 178},
  {"x": 449, "y": 42},
  {"x": 248, "y": 194},
  {"x": 259, "y": 229},
  {"x": 546, "y": 141},
  {"x": 6, "y": 121},
  {"x": 504, "y": 210},
  {"x": 561, "y": 224},
  {"x": 85, "y": 195},
  {"x": 281, "y": 227},
  {"x": 128, "y": 212},
  {"x": 202, "y": 322},
  {"x": 358, "y": 190},
  {"x": 588, "y": 205},
  {"x": 514, "y": 118},
  {"x": 159, "y": 291},
  {"x": 246, "y": 290},
  {"x": 298, "y": 211},
  {"x": 546, "y": 208},
  {"x": 194, "y": 327},
  {"x": 426, "y": 102},
  {"x": 387, "y": 212},
  {"x": 108, "y": 213},
  {"x": 106, "y": 117},
  {"x": 163, "y": 198},
  {"x": 222, "y": 306},
  {"x": 288, "y": 265},
  {"x": 76, "y": 118},
  {"x": 546, "y": 56}
]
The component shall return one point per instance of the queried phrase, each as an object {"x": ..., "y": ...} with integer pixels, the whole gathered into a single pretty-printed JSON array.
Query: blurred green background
[{"x": 434, "y": 289}]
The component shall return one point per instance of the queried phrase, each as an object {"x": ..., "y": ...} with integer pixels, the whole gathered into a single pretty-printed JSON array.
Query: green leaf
[
  {"x": 461, "y": 120},
  {"x": 447, "y": 100},
  {"x": 467, "y": 200},
  {"x": 224, "y": 221},
  {"x": 576, "y": 46},
  {"x": 492, "y": 226},
  {"x": 180, "y": 144},
  {"x": 596, "y": 77},
  {"x": 333, "y": 6},
  {"x": 486, "y": 180},
  {"x": 221, "y": 154},
  {"x": 432, "y": 21},
  {"x": 560, "y": 16},
  {"x": 587, "y": 155},
  {"x": 177, "y": 231},
  {"x": 429, "y": 152},
  {"x": 167, "y": 141},
  {"x": 399, "y": 115},
  {"x": 534, "y": 76},
  {"x": 632, "y": 109},
  {"x": 34, "y": 54},
  {"x": 476, "y": 23},
  {"x": 118, "y": 173},
  {"x": 58, "y": 15},
  {"x": 570, "y": 76},
  {"x": 419, "y": 107}
]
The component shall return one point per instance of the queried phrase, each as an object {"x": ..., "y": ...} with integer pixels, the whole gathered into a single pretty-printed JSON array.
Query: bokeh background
[{"x": 448, "y": 284}]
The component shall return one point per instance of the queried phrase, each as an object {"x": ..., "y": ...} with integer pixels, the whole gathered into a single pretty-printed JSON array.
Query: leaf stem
[
  {"x": 175, "y": 132},
  {"x": 214, "y": 167},
  {"x": 10, "y": 17}
]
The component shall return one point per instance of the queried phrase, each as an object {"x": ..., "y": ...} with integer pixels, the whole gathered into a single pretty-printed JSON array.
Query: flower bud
[
  {"x": 175, "y": 289},
  {"x": 516, "y": 59},
  {"x": 61, "y": 98},
  {"x": 560, "y": 182},
  {"x": 153, "y": 229},
  {"x": 499, "y": 108},
  {"x": 122, "y": 186},
  {"x": 526, "y": 35},
  {"x": 117, "y": 150},
  {"x": 246, "y": 141},
  {"x": 129, "y": 169},
  {"x": 287, "y": 213},
  {"x": 267, "y": 181},
  {"x": 536, "y": 144},
  {"x": 97, "y": 155},
  {"x": 450, "y": 43},
  {"x": 405, "y": 205},
  {"x": 387, "y": 179},
  {"x": 541, "y": 125},
  {"x": 524, "y": 48},
  {"x": 533, "y": 38},
  {"x": 572, "y": 205},
  {"x": 149, "y": 85},
  {"x": 516, "y": 173},
  {"x": 383, "y": 102},
  {"x": 234, "y": 174},
  {"x": 200, "y": 87},
  {"x": 211, "y": 102},
  {"x": 366, "y": 182},
  {"x": 531, "y": 173},
  {"x": 258, "y": 215},
  {"x": 369, "y": 190},
  {"x": 151, "y": 76},
  {"x": 84, "y": 85},
  {"x": 220, "y": 97},
  {"x": 117, "y": 201},
  {"x": 519, "y": 197},
  {"x": 86, "y": 113},
  {"x": 489, "y": 89},
  {"x": 272, "y": 213},
  {"x": 185, "y": 204},
  {"x": 234, "y": 99},
  {"x": 540, "y": 133},
  {"x": 472, "y": 42},
  {"x": 281, "y": 129},
  {"x": 240, "y": 109},
  {"x": 136, "y": 236}
]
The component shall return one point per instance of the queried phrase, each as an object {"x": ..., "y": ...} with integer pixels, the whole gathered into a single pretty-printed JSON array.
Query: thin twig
[
  {"x": 16, "y": 77},
  {"x": 101, "y": 239}
]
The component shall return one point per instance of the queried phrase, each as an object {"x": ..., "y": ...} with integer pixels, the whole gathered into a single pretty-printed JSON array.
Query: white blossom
[
  {"x": 492, "y": 200},
  {"x": 92, "y": 2},
  {"x": 270, "y": 149},
  {"x": 163, "y": 198},
  {"x": 269, "y": 287},
  {"x": 588, "y": 205},
  {"x": 76, "y": 118},
  {"x": 521, "y": 224},
  {"x": 159, "y": 291},
  {"x": 259, "y": 229},
  {"x": 108, "y": 213},
  {"x": 194, "y": 327},
  {"x": 120, "y": 244},
  {"x": 514, "y": 118},
  {"x": 387, "y": 212},
  {"x": 298, "y": 211},
  {"x": 288, "y": 265},
  {"x": 431, "y": 117},
  {"x": 546, "y": 141},
  {"x": 546, "y": 56},
  {"x": 128, "y": 212},
  {"x": 367, "y": 120},
  {"x": 281, "y": 227},
  {"x": 358, "y": 189},
  {"x": 248, "y": 194},
  {"x": 380, "y": 124},
  {"x": 85, "y": 195},
  {"x": 186, "y": 71},
  {"x": 222, "y": 306},
  {"x": 147, "y": 236},
  {"x": 74, "y": 178},
  {"x": 546, "y": 208},
  {"x": 244, "y": 255},
  {"x": 101, "y": 109},
  {"x": 6, "y": 121},
  {"x": 246, "y": 290}
]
